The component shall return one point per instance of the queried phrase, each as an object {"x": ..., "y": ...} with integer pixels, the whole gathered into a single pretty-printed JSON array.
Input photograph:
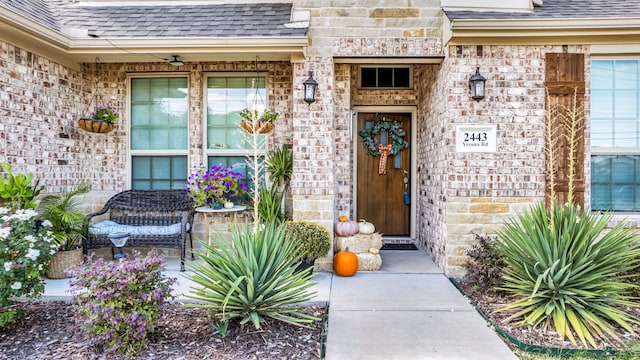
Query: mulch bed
[
  {"x": 489, "y": 302},
  {"x": 43, "y": 332}
]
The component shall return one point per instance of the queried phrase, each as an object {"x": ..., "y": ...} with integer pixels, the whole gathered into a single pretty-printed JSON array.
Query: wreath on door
[
  {"x": 395, "y": 143},
  {"x": 395, "y": 132}
]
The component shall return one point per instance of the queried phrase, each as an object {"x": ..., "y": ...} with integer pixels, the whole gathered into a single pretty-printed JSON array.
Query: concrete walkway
[{"x": 406, "y": 311}]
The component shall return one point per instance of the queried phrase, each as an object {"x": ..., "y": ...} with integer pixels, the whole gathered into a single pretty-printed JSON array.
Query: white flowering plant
[{"x": 25, "y": 249}]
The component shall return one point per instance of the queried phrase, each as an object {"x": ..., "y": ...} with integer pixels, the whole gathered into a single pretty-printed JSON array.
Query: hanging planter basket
[
  {"x": 252, "y": 127},
  {"x": 95, "y": 126}
]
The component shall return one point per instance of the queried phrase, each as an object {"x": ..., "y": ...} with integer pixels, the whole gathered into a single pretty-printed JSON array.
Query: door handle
[{"x": 405, "y": 182}]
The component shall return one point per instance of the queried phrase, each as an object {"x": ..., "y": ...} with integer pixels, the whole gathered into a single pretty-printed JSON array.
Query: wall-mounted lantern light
[
  {"x": 476, "y": 84},
  {"x": 310, "y": 87}
]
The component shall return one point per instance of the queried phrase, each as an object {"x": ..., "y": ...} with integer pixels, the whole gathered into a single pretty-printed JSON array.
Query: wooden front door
[{"x": 384, "y": 198}]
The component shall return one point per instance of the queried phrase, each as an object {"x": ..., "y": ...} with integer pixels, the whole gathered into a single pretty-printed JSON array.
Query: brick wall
[
  {"x": 323, "y": 144},
  {"x": 459, "y": 194},
  {"x": 41, "y": 102},
  {"x": 433, "y": 168},
  {"x": 502, "y": 181},
  {"x": 391, "y": 29},
  {"x": 343, "y": 171}
]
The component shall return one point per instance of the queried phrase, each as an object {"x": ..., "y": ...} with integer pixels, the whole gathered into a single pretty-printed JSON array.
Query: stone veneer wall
[{"x": 473, "y": 192}]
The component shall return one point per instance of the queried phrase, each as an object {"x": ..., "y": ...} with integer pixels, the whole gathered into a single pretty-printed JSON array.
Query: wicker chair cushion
[{"x": 107, "y": 226}]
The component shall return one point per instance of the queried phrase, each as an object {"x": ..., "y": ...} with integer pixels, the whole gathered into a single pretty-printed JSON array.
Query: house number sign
[{"x": 476, "y": 138}]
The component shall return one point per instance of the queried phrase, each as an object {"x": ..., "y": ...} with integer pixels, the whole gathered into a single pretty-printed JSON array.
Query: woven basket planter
[
  {"x": 95, "y": 126},
  {"x": 63, "y": 261},
  {"x": 263, "y": 127}
]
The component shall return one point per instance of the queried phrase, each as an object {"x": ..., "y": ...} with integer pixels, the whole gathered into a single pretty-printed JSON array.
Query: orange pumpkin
[
  {"x": 345, "y": 263},
  {"x": 343, "y": 218}
]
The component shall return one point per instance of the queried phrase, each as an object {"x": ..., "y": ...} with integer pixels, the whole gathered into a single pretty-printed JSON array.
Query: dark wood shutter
[{"x": 564, "y": 81}]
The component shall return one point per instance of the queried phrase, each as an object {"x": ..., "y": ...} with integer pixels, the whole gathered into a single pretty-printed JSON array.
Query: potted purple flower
[{"x": 216, "y": 187}]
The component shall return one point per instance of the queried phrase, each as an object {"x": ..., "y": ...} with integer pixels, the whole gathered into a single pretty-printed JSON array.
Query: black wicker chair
[{"x": 151, "y": 217}]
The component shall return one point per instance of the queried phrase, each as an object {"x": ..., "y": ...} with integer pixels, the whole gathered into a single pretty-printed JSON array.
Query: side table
[{"x": 208, "y": 212}]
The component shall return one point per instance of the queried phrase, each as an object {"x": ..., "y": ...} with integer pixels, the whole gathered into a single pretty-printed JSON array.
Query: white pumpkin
[{"x": 365, "y": 227}]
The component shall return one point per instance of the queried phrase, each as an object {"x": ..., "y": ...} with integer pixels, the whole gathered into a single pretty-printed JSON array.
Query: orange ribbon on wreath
[{"x": 384, "y": 154}]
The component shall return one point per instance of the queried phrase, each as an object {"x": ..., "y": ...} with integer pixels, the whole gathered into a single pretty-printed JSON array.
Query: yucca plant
[
  {"x": 252, "y": 278},
  {"x": 566, "y": 270},
  {"x": 269, "y": 206}
]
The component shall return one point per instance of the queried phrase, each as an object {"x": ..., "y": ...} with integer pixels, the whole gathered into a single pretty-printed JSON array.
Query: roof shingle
[
  {"x": 188, "y": 20},
  {"x": 560, "y": 9}
]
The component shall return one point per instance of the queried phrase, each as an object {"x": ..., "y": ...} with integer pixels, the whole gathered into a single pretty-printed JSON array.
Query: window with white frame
[
  {"x": 159, "y": 132},
  {"x": 615, "y": 135},
  {"x": 226, "y": 95}
]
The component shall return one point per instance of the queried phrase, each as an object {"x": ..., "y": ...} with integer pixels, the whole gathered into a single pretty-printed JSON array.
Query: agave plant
[
  {"x": 252, "y": 278},
  {"x": 566, "y": 270}
]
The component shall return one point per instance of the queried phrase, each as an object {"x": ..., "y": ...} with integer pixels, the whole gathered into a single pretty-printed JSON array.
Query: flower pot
[
  {"x": 95, "y": 126},
  {"x": 217, "y": 205},
  {"x": 262, "y": 127},
  {"x": 304, "y": 266},
  {"x": 63, "y": 261}
]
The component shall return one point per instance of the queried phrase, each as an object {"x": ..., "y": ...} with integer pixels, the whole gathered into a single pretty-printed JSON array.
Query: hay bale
[
  {"x": 358, "y": 243},
  {"x": 369, "y": 262}
]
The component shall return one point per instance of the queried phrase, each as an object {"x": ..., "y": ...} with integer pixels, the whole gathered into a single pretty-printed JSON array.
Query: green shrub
[
  {"x": 16, "y": 190},
  {"x": 252, "y": 279},
  {"x": 312, "y": 240},
  {"x": 564, "y": 268},
  {"x": 117, "y": 304},
  {"x": 485, "y": 267}
]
